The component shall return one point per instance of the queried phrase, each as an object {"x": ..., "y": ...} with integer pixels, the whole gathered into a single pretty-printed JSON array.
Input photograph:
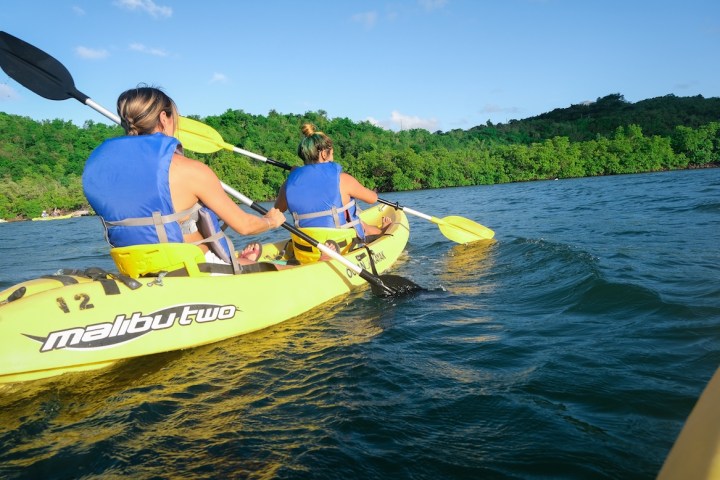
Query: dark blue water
[{"x": 572, "y": 347}]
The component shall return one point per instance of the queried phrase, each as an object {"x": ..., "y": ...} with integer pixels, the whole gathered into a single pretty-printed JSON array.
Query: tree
[{"x": 41, "y": 162}]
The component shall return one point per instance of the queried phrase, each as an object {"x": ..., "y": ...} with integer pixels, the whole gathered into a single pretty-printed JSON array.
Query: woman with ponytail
[
  {"x": 322, "y": 199},
  {"x": 146, "y": 191}
]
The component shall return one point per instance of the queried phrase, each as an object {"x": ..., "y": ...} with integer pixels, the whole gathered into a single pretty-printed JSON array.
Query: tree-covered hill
[
  {"x": 41, "y": 162},
  {"x": 587, "y": 121}
]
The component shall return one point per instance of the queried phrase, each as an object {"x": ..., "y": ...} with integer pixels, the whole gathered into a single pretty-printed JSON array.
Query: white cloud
[
  {"x": 78, "y": 10},
  {"x": 148, "y": 6},
  {"x": 92, "y": 54},
  {"x": 399, "y": 121},
  {"x": 7, "y": 92},
  {"x": 219, "y": 78},
  {"x": 139, "y": 47},
  {"x": 407, "y": 122},
  {"x": 432, "y": 4},
  {"x": 367, "y": 19}
]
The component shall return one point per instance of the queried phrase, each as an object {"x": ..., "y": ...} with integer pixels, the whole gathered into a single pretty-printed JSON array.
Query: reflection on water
[
  {"x": 343, "y": 321},
  {"x": 467, "y": 268},
  {"x": 226, "y": 396}
]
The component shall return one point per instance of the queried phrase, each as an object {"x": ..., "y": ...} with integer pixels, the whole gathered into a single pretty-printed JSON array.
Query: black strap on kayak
[
  {"x": 62, "y": 278},
  {"x": 16, "y": 295},
  {"x": 109, "y": 285},
  {"x": 222, "y": 269},
  {"x": 107, "y": 279},
  {"x": 372, "y": 261}
]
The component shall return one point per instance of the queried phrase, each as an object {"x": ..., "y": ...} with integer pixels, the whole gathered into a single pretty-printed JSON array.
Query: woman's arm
[
  {"x": 281, "y": 200},
  {"x": 191, "y": 181},
  {"x": 350, "y": 187}
]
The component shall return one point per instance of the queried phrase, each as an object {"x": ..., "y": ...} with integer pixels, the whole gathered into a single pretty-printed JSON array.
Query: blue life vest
[
  {"x": 314, "y": 200},
  {"x": 126, "y": 181}
]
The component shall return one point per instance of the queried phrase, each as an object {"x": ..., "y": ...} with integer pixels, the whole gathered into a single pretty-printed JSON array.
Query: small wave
[
  {"x": 702, "y": 207},
  {"x": 629, "y": 300},
  {"x": 549, "y": 274},
  {"x": 708, "y": 207}
]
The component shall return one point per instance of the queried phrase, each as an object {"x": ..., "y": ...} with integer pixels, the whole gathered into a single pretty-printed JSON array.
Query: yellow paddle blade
[
  {"x": 462, "y": 230},
  {"x": 198, "y": 137}
]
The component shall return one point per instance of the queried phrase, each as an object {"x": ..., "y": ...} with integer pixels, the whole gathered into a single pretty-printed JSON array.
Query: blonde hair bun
[{"x": 308, "y": 129}]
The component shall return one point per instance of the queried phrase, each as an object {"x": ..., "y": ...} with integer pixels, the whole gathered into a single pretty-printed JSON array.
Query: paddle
[
  {"x": 457, "y": 229},
  {"x": 46, "y": 76},
  {"x": 205, "y": 139},
  {"x": 202, "y": 138}
]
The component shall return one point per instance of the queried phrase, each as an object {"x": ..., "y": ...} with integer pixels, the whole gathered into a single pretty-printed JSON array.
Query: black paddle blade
[
  {"x": 36, "y": 70},
  {"x": 394, "y": 285}
]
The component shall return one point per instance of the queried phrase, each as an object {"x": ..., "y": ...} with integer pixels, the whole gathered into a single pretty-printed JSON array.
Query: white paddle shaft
[{"x": 416, "y": 213}]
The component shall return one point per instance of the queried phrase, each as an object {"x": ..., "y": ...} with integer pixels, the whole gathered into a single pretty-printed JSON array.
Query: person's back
[
  {"x": 314, "y": 198},
  {"x": 321, "y": 197},
  {"x": 146, "y": 191},
  {"x": 128, "y": 177}
]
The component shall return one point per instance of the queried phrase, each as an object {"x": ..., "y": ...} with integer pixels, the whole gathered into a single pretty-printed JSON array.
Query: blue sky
[{"x": 434, "y": 64}]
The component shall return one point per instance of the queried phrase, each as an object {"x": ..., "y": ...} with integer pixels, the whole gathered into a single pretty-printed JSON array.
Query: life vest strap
[
  {"x": 332, "y": 212},
  {"x": 218, "y": 236},
  {"x": 155, "y": 219}
]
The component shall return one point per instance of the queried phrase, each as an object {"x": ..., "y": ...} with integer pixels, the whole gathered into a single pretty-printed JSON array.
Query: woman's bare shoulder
[{"x": 191, "y": 166}]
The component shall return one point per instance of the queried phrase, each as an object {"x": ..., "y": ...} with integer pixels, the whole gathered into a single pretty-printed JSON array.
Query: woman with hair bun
[
  {"x": 322, "y": 199},
  {"x": 146, "y": 191}
]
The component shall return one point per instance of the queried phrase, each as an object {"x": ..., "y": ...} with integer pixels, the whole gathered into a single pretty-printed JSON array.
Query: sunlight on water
[{"x": 573, "y": 345}]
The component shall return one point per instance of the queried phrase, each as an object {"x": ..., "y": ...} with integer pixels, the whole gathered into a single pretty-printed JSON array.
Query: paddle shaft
[
  {"x": 260, "y": 157},
  {"x": 406, "y": 209}
]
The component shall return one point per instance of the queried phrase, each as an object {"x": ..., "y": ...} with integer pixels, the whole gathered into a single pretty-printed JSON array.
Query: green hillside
[{"x": 41, "y": 162}]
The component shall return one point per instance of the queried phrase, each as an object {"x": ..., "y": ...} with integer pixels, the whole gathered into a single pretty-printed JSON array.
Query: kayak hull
[
  {"x": 696, "y": 452},
  {"x": 71, "y": 322},
  {"x": 50, "y": 217}
]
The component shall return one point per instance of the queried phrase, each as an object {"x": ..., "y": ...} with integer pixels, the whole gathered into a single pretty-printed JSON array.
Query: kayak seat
[
  {"x": 150, "y": 259},
  {"x": 304, "y": 252}
]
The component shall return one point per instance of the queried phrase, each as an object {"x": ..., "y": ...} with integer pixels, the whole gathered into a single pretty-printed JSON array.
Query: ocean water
[{"x": 573, "y": 346}]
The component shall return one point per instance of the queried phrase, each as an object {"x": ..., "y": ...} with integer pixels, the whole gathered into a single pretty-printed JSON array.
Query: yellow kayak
[
  {"x": 78, "y": 321},
  {"x": 696, "y": 452},
  {"x": 50, "y": 217}
]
